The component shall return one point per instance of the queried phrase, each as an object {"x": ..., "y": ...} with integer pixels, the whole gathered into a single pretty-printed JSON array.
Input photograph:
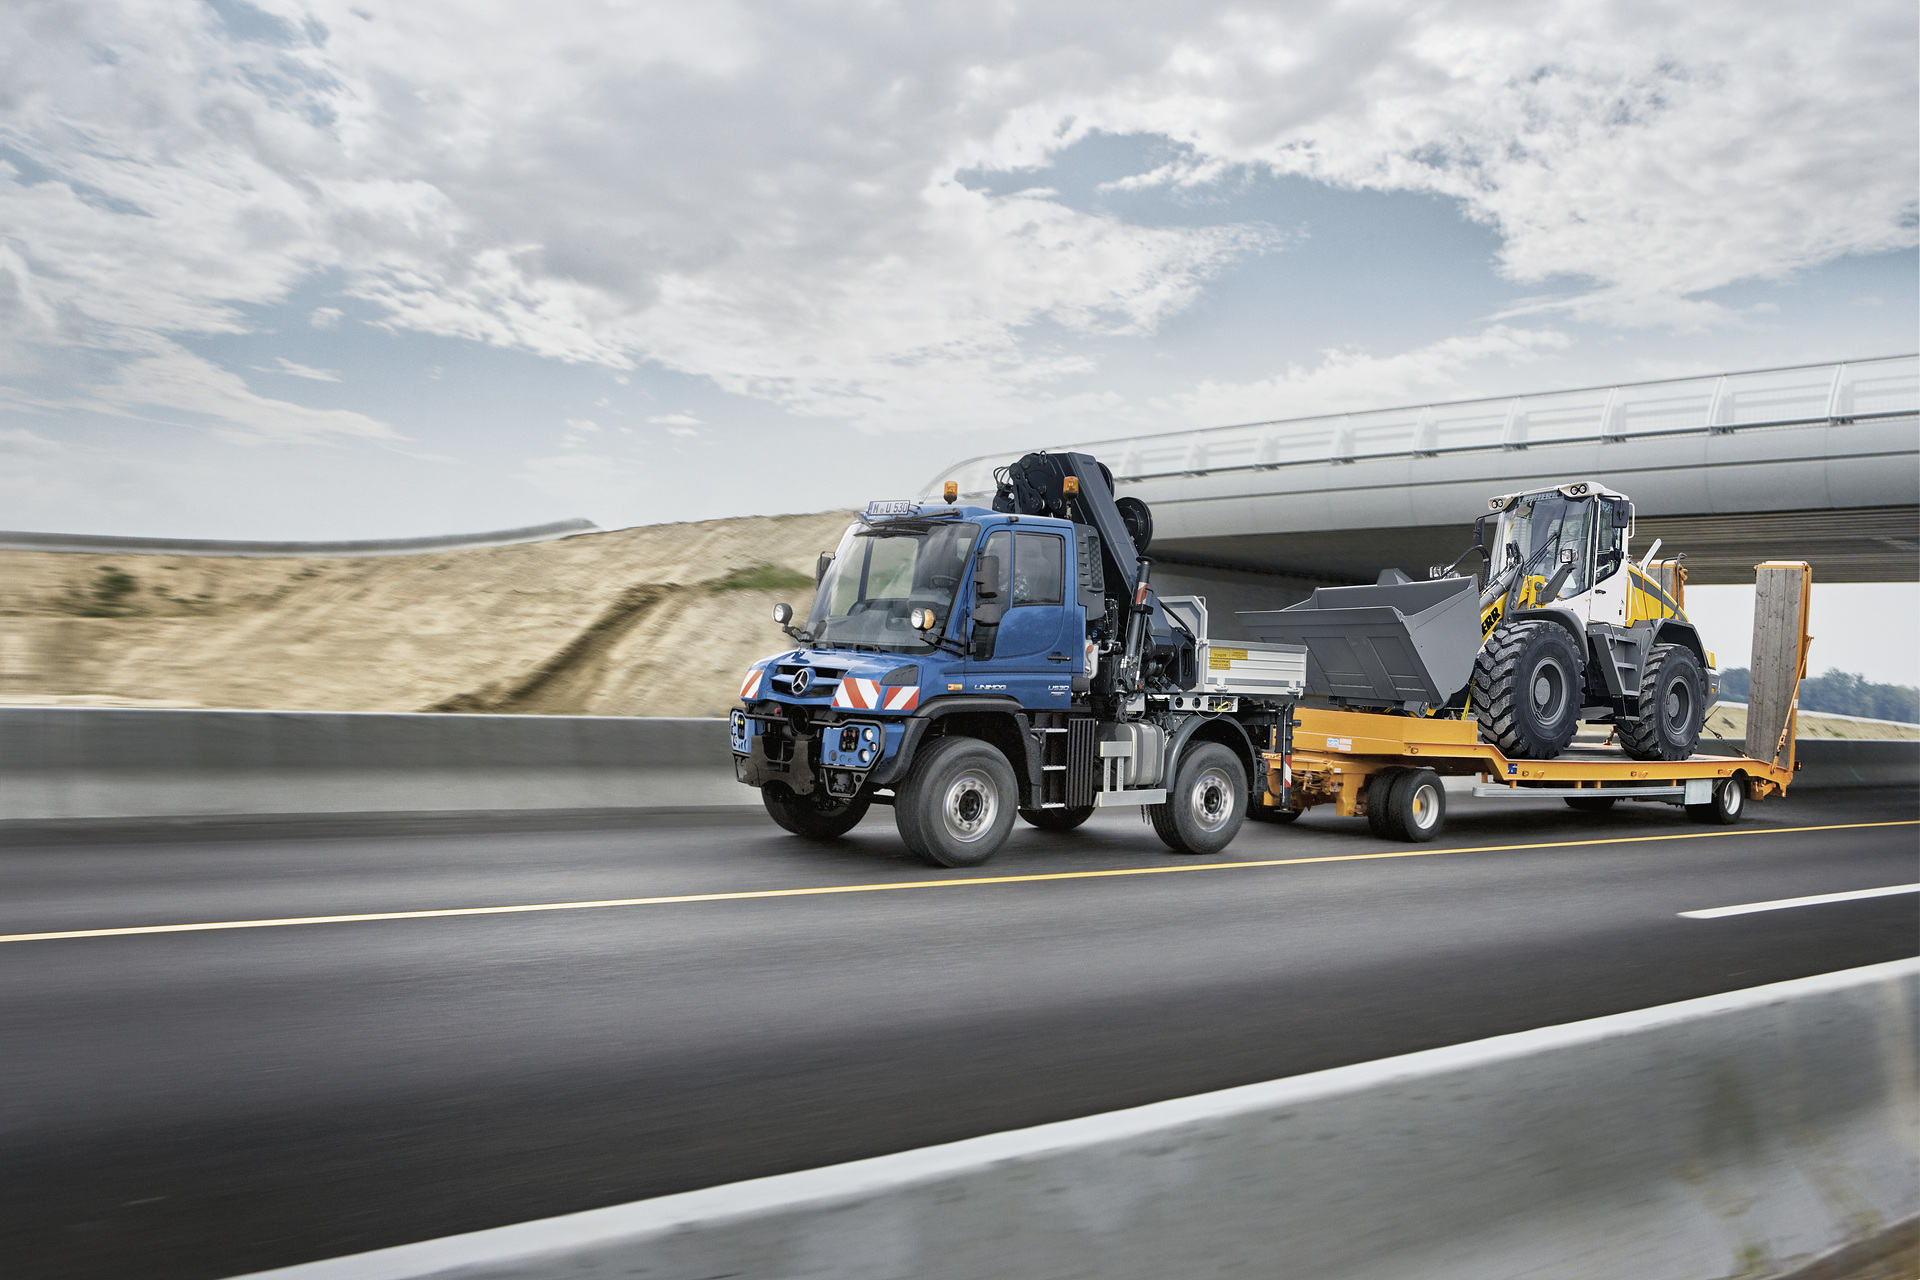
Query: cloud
[
  {"x": 768, "y": 198},
  {"x": 1347, "y": 380},
  {"x": 299, "y": 370}
]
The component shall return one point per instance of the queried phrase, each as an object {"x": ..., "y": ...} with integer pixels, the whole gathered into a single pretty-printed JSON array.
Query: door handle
[{"x": 1059, "y": 657}]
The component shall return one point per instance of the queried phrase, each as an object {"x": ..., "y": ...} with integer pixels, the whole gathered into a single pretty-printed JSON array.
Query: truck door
[{"x": 1034, "y": 651}]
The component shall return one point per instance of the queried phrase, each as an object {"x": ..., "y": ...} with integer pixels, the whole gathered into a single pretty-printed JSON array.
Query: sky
[{"x": 307, "y": 269}]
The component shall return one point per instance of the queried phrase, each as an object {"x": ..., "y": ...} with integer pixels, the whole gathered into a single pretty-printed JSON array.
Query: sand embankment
[{"x": 657, "y": 621}]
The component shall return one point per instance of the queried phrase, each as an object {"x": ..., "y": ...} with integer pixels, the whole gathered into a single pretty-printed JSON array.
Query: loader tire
[
  {"x": 956, "y": 807},
  {"x": 1057, "y": 819},
  {"x": 806, "y": 818},
  {"x": 1206, "y": 803},
  {"x": 1527, "y": 689},
  {"x": 1673, "y": 706}
]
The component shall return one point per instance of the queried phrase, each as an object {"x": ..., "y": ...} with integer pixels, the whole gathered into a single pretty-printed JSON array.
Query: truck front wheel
[
  {"x": 806, "y": 818},
  {"x": 957, "y": 804},
  {"x": 1206, "y": 803}
]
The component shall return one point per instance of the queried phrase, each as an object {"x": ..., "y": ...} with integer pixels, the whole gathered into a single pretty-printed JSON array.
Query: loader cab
[{"x": 1566, "y": 547}]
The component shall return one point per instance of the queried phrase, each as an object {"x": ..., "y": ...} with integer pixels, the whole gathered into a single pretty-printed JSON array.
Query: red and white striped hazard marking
[
  {"x": 855, "y": 694},
  {"x": 750, "y": 687}
]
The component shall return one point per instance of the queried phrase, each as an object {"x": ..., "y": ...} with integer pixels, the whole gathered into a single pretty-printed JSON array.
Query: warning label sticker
[{"x": 1223, "y": 659}]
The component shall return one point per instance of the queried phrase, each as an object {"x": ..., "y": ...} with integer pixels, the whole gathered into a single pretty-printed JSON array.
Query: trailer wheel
[
  {"x": 805, "y": 817},
  {"x": 1057, "y": 819},
  {"x": 1380, "y": 803},
  {"x": 957, "y": 803},
  {"x": 1590, "y": 804},
  {"x": 1728, "y": 805},
  {"x": 1206, "y": 803},
  {"x": 1527, "y": 687},
  {"x": 1417, "y": 806},
  {"x": 1673, "y": 706}
]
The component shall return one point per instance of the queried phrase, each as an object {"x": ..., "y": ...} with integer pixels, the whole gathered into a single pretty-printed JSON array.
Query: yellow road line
[{"x": 824, "y": 890}]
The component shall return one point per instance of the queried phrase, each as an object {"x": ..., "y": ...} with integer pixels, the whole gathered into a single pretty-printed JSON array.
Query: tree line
[{"x": 1839, "y": 693}]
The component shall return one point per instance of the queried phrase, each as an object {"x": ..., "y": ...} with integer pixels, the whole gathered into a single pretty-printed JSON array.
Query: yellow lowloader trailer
[{"x": 1388, "y": 767}]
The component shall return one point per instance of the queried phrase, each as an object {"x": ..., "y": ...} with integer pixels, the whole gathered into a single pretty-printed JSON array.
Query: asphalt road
[{"x": 201, "y": 1104}]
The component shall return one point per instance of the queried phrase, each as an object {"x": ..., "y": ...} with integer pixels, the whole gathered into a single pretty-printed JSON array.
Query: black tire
[
  {"x": 1206, "y": 803},
  {"x": 1057, "y": 819},
  {"x": 1729, "y": 803},
  {"x": 1527, "y": 689},
  {"x": 1673, "y": 706},
  {"x": 1417, "y": 806},
  {"x": 957, "y": 804},
  {"x": 1590, "y": 804},
  {"x": 807, "y": 817},
  {"x": 1380, "y": 803}
]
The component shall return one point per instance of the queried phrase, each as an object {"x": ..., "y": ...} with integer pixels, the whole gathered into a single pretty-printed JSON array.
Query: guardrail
[
  {"x": 1746, "y": 1134},
  {"x": 105, "y": 545},
  {"x": 104, "y": 763}
]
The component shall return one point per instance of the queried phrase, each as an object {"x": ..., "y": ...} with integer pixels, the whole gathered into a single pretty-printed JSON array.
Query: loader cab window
[
  {"x": 1535, "y": 531},
  {"x": 1611, "y": 543},
  {"x": 880, "y": 574}
]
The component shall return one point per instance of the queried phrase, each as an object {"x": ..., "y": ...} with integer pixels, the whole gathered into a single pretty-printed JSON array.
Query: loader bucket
[{"x": 1388, "y": 645}]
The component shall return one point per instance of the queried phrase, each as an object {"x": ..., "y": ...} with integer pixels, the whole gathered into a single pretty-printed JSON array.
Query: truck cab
[{"x": 966, "y": 665}]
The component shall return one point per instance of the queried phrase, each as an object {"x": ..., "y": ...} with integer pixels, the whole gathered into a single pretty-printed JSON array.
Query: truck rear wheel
[
  {"x": 957, "y": 804},
  {"x": 1206, "y": 803},
  {"x": 1057, "y": 819},
  {"x": 1590, "y": 804},
  {"x": 1527, "y": 688},
  {"x": 1673, "y": 706},
  {"x": 803, "y": 816}
]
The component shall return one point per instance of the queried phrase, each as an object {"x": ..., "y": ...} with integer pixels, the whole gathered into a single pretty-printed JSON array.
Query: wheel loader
[{"x": 1565, "y": 629}]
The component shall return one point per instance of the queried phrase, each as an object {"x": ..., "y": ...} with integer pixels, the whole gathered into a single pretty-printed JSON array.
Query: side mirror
[
  {"x": 821, "y": 566},
  {"x": 1622, "y": 514},
  {"x": 987, "y": 610},
  {"x": 1480, "y": 532},
  {"x": 783, "y": 614}
]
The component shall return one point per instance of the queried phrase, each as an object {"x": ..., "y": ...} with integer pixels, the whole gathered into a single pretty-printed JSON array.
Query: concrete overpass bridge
[{"x": 1815, "y": 462}]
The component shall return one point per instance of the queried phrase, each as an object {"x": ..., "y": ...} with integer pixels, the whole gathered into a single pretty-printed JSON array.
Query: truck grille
[{"x": 825, "y": 679}]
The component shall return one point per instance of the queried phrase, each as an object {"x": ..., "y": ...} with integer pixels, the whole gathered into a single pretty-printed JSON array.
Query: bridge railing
[{"x": 1803, "y": 395}]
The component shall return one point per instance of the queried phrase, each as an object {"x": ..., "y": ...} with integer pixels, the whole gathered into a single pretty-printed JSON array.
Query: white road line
[{"x": 1780, "y": 904}]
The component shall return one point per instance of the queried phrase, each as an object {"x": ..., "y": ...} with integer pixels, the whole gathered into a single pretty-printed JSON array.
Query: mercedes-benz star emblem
[{"x": 802, "y": 681}]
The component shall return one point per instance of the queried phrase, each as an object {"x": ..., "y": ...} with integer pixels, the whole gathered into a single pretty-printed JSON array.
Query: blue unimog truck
[{"x": 966, "y": 665}]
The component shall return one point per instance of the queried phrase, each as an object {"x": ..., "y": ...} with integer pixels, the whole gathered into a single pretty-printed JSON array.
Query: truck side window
[{"x": 1039, "y": 568}]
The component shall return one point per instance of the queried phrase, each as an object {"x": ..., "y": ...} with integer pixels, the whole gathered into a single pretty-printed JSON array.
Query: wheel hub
[
  {"x": 969, "y": 807},
  {"x": 1211, "y": 801}
]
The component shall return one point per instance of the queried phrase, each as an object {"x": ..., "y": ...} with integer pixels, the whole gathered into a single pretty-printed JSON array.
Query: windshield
[
  {"x": 1533, "y": 533},
  {"x": 879, "y": 575}
]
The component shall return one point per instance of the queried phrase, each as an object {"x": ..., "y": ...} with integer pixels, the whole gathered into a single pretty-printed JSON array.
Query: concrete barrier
[
  {"x": 1838, "y": 763},
  {"x": 65, "y": 762},
  {"x": 1745, "y": 1134},
  {"x": 94, "y": 762}
]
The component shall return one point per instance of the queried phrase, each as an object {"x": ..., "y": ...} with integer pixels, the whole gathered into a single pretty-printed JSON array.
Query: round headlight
[
  {"x": 866, "y": 755},
  {"x": 868, "y": 734}
]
